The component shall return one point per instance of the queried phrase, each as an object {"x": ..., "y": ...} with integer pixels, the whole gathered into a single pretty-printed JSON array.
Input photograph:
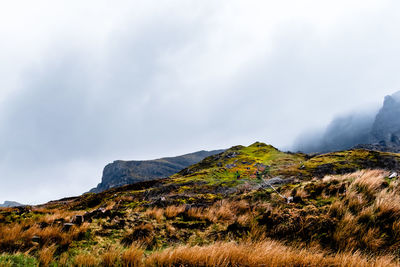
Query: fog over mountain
[
  {"x": 373, "y": 129},
  {"x": 343, "y": 132}
]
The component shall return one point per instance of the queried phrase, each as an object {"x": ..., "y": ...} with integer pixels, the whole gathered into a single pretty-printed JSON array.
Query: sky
[{"x": 84, "y": 83}]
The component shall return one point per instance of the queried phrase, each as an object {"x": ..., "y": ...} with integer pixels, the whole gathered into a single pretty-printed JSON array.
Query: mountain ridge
[{"x": 121, "y": 172}]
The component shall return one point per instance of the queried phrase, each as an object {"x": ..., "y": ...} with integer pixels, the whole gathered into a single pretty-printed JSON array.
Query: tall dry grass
[
  {"x": 155, "y": 213},
  {"x": 86, "y": 260},
  {"x": 266, "y": 253},
  {"x": 110, "y": 257},
  {"x": 173, "y": 211},
  {"x": 46, "y": 255},
  {"x": 18, "y": 236},
  {"x": 133, "y": 257}
]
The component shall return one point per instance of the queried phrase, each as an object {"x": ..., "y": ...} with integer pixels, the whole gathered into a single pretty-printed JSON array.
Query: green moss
[
  {"x": 320, "y": 202},
  {"x": 16, "y": 260}
]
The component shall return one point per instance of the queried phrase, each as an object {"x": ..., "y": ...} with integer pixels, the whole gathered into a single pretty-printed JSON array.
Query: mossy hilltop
[{"x": 224, "y": 204}]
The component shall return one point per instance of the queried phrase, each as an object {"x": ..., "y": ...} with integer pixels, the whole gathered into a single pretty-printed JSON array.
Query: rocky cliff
[
  {"x": 386, "y": 127},
  {"x": 121, "y": 172},
  {"x": 374, "y": 131}
]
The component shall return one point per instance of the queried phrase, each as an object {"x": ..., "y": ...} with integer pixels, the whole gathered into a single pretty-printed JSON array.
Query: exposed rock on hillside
[{"x": 121, "y": 172}]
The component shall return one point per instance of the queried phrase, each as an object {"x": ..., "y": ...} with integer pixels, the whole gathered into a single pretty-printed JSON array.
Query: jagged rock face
[
  {"x": 120, "y": 173},
  {"x": 386, "y": 127},
  {"x": 373, "y": 131}
]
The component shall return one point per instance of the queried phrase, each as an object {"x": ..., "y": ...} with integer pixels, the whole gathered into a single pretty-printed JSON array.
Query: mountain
[
  {"x": 246, "y": 206},
  {"x": 386, "y": 127},
  {"x": 121, "y": 172},
  {"x": 8, "y": 204},
  {"x": 374, "y": 131}
]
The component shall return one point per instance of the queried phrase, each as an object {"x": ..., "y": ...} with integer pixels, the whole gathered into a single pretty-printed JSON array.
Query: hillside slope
[
  {"x": 223, "y": 211},
  {"x": 121, "y": 172}
]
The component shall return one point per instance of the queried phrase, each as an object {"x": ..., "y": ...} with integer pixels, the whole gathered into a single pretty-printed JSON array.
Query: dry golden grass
[
  {"x": 18, "y": 236},
  {"x": 132, "y": 257},
  {"x": 245, "y": 219},
  {"x": 387, "y": 203},
  {"x": 85, "y": 260},
  {"x": 143, "y": 234},
  {"x": 266, "y": 253},
  {"x": 173, "y": 211},
  {"x": 196, "y": 213},
  {"x": 155, "y": 213},
  {"x": 368, "y": 182},
  {"x": 221, "y": 211},
  {"x": 110, "y": 257},
  {"x": 46, "y": 255}
]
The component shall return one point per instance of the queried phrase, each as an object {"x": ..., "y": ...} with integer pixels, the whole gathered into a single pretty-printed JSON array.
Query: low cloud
[{"x": 344, "y": 132}]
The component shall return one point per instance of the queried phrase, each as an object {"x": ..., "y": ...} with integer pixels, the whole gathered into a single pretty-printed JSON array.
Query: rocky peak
[{"x": 386, "y": 127}]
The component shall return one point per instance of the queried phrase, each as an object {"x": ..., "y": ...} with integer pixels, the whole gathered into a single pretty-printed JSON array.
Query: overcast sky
[{"x": 83, "y": 83}]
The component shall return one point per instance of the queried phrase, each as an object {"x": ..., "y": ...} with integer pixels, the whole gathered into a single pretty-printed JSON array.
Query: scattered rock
[
  {"x": 43, "y": 225},
  {"x": 393, "y": 175},
  {"x": 36, "y": 239},
  {"x": 297, "y": 199},
  {"x": 78, "y": 219},
  {"x": 231, "y": 155},
  {"x": 67, "y": 226}
]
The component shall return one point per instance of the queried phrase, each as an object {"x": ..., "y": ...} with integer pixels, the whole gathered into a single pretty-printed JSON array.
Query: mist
[{"x": 343, "y": 132}]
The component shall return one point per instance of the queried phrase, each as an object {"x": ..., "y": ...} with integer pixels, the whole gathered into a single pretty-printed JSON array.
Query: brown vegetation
[{"x": 340, "y": 220}]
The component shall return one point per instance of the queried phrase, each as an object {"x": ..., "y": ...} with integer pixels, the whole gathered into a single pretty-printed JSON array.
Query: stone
[
  {"x": 36, "y": 239},
  {"x": 393, "y": 175},
  {"x": 230, "y": 166},
  {"x": 67, "y": 226},
  {"x": 78, "y": 219}
]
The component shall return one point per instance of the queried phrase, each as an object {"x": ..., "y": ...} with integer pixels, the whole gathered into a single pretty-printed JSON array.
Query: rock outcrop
[
  {"x": 386, "y": 127},
  {"x": 120, "y": 173}
]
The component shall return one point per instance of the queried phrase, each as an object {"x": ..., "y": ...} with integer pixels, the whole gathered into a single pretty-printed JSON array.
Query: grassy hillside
[{"x": 221, "y": 212}]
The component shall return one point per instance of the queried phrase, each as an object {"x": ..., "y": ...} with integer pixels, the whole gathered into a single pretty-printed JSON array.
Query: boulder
[{"x": 78, "y": 219}]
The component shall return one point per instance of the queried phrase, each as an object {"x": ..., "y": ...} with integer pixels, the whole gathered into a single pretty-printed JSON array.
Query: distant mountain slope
[
  {"x": 8, "y": 204},
  {"x": 121, "y": 172},
  {"x": 374, "y": 131}
]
